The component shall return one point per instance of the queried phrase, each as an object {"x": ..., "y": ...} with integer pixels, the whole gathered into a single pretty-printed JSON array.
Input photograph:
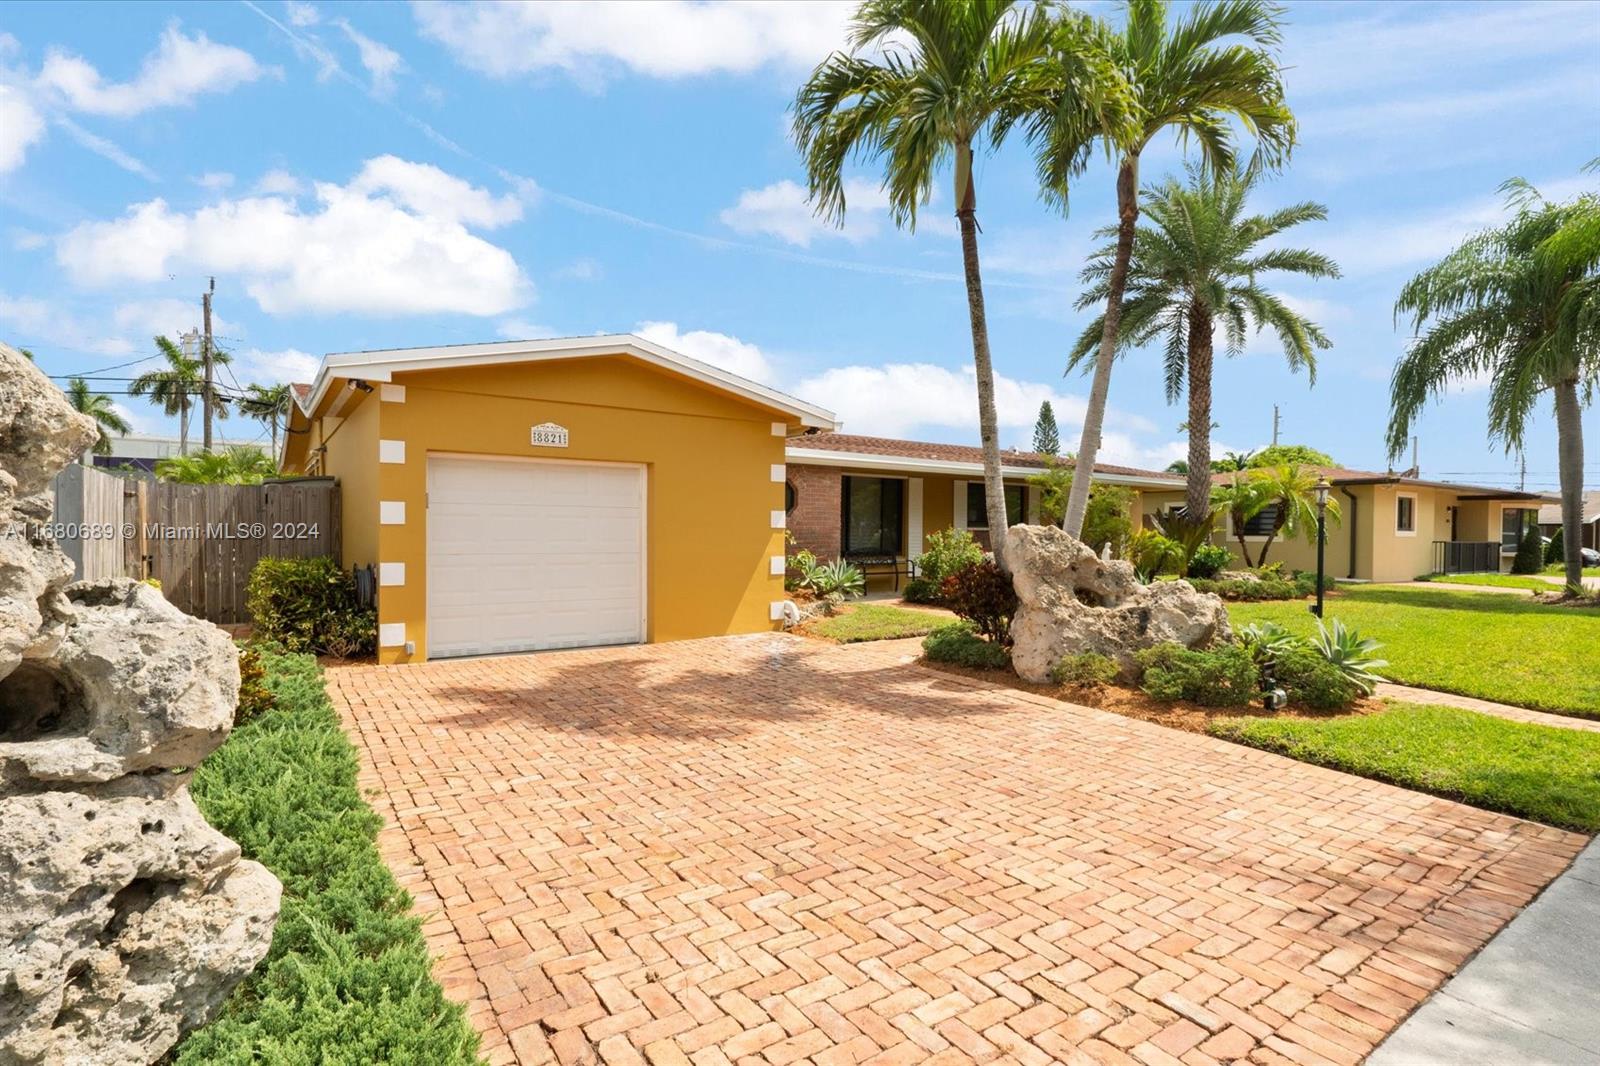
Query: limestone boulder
[
  {"x": 125, "y": 919},
  {"x": 1071, "y": 601}
]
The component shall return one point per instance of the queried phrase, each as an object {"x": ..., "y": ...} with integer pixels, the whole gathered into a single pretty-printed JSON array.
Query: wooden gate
[{"x": 202, "y": 541}]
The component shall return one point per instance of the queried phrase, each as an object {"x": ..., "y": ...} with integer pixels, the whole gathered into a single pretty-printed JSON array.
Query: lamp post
[{"x": 1322, "y": 487}]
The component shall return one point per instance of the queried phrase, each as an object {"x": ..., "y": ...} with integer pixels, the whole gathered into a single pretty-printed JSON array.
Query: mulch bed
[{"x": 1134, "y": 703}]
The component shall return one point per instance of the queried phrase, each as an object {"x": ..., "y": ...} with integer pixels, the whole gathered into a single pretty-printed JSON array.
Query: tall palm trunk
[
  {"x": 994, "y": 492},
  {"x": 1569, "y": 444},
  {"x": 275, "y": 447},
  {"x": 1244, "y": 545},
  {"x": 1197, "y": 503},
  {"x": 183, "y": 425},
  {"x": 1094, "y": 418}
]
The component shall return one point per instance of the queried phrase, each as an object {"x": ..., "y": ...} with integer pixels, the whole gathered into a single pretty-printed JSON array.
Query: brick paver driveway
[{"x": 771, "y": 850}]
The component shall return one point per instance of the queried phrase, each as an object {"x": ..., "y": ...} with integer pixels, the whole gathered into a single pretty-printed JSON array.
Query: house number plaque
[{"x": 549, "y": 435}]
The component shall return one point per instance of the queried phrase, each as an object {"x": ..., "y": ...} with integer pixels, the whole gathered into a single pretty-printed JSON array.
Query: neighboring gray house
[{"x": 1550, "y": 519}]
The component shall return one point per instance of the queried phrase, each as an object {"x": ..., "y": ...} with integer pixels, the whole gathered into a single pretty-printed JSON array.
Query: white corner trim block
[
  {"x": 391, "y": 573},
  {"x": 392, "y": 512},
  {"x": 392, "y": 635},
  {"x": 391, "y": 451},
  {"x": 389, "y": 393}
]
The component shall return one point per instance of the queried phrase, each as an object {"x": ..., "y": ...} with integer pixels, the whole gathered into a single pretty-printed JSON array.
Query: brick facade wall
[{"x": 814, "y": 522}]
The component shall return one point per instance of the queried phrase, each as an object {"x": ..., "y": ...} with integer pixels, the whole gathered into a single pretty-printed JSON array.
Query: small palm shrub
[
  {"x": 959, "y": 644},
  {"x": 1350, "y": 653},
  {"x": 309, "y": 605},
  {"x": 1151, "y": 553},
  {"x": 949, "y": 551},
  {"x": 1209, "y": 560},
  {"x": 1088, "y": 670},
  {"x": 1220, "y": 677},
  {"x": 983, "y": 595}
]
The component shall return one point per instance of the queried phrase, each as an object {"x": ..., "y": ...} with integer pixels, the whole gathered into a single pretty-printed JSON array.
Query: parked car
[{"x": 1590, "y": 556}]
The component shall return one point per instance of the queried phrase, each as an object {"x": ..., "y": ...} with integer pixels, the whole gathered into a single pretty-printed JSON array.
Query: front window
[
  {"x": 978, "y": 510},
  {"x": 1405, "y": 514},
  {"x": 872, "y": 514},
  {"x": 1514, "y": 523},
  {"x": 1260, "y": 523}
]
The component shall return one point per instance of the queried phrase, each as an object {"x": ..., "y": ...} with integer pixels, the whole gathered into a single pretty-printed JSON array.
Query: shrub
[
  {"x": 984, "y": 596},
  {"x": 1312, "y": 680},
  {"x": 1088, "y": 670},
  {"x": 1268, "y": 588},
  {"x": 1222, "y": 677},
  {"x": 921, "y": 590},
  {"x": 949, "y": 551},
  {"x": 1188, "y": 534},
  {"x": 798, "y": 569},
  {"x": 837, "y": 578},
  {"x": 347, "y": 978},
  {"x": 1151, "y": 553},
  {"x": 255, "y": 698},
  {"x": 1350, "y": 653},
  {"x": 1209, "y": 560},
  {"x": 309, "y": 605},
  {"x": 957, "y": 643},
  {"x": 1556, "y": 550},
  {"x": 1530, "y": 553}
]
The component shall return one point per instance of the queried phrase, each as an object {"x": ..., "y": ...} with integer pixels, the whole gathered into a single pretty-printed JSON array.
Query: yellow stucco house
[
  {"x": 556, "y": 493},
  {"x": 1394, "y": 527}
]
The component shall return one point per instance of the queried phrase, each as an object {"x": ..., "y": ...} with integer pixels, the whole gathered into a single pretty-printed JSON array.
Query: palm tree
[
  {"x": 171, "y": 386},
  {"x": 1198, "y": 265},
  {"x": 245, "y": 465},
  {"x": 1182, "y": 77},
  {"x": 1241, "y": 498},
  {"x": 268, "y": 404},
  {"x": 98, "y": 406},
  {"x": 1518, "y": 304},
  {"x": 927, "y": 85},
  {"x": 1292, "y": 490}
]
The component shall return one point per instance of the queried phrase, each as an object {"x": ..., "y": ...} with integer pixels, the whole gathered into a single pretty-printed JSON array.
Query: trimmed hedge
[
  {"x": 1087, "y": 670},
  {"x": 956, "y": 642},
  {"x": 1225, "y": 676},
  {"x": 348, "y": 978},
  {"x": 310, "y": 605},
  {"x": 1268, "y": 588}
]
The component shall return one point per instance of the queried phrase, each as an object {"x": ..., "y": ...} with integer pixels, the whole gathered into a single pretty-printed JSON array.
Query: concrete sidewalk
[{"x": 1528, "y": 997}]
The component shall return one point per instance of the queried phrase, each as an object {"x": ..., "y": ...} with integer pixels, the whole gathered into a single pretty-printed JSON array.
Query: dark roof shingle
[{"x": 956, "y": 453}]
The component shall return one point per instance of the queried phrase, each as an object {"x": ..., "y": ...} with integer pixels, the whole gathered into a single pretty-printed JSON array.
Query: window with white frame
[
  {"x": 977, "y": 506},
  {"x": 1405, "y": 514}
]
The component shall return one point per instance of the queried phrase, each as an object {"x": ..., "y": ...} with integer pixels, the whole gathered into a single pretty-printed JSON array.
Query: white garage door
[{"x": 527, "y": 554}]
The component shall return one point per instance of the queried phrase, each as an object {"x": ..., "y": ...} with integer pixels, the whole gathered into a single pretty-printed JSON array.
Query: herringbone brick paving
[{"x": 770, "y": 850}]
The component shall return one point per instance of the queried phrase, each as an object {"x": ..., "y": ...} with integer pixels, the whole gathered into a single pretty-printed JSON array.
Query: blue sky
[{"x": 364, "y": 175}]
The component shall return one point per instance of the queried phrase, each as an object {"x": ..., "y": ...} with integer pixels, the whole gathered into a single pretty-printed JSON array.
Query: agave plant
[
  {"x": 837, "y": 578},
  {"x": 1351, "y": 653},
  {"x": 1265, "y": 641}
]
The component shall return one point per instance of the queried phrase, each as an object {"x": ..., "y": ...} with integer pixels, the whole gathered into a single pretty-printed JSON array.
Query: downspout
[{"x": 1354, "y": 527}]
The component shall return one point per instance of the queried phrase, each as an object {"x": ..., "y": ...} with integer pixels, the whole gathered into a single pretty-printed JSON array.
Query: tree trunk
[
  {"x": 1244, "y": 545},
  {"x": 275, "y": 443},
  {"x": 988, "y": 422},
  {"x": 1094, "y": 418},
  {"x": 183, "y": 426},
  {"x": 1197, "y": 503},
  {"x": 1569, "y": 443}
]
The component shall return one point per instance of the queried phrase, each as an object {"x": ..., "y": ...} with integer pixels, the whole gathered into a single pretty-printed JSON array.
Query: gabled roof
[
  {"x": 1550, "y": 513},
  {"x": 380, "y": 365},
  {"x": 886, "y": 453}
]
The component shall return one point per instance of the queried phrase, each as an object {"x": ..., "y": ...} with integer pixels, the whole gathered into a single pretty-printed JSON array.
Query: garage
[{"x": 529, "y": 554}]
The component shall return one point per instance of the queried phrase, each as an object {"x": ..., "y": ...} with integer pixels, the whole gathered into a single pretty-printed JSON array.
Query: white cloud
[
  {"x": 21, "y": 127},
  {"x": 278, "y": 183},
  {"x": 781, "y": 210},
  {"x": 179, "y": 70},
  {"x": 39, "y": 321},
  {"x": 138, "y": 421},
  {"x": 105, "y": 148},
  {"x": 166, "y": 316},
  {"x": 584, "y": 269},
  {"x": 301, "y": 14},
  {"x": 215, "y": 180},
  {"x": 383, "y": 63},
  {"x": 253, "y": 365},
  {"x": 28, "y": 241},
  {"x": 427, "y": 190},
  {"x": 394, "y": 241},
  {"x": 718, "y": 349},
  {"x": 521, "y": 329},
  {"x": 911, "y": 399},
  {"x": 666, "y": 39}
]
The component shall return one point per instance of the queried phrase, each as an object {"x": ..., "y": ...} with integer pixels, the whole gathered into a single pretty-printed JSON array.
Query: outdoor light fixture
[{"x": 1321, "y": 490}]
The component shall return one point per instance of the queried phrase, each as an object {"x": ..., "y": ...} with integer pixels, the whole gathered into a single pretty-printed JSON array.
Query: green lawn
[
  {"x": 876, "y": 621},
  {"x": 1558, "y": 570},
  {"x": 1504, "y": 581},
  {"x": 1541, "y": 772},
  {"x": 1485, "y": 644}
]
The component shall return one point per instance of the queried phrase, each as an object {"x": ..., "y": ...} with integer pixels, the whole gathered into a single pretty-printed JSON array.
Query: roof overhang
[
  {"x": 339, "y": 368},
  {"x": 797, "y": 453}
]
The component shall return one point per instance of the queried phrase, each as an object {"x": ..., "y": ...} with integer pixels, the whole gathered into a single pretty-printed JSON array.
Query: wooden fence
[{"x": 199, "y": 541}]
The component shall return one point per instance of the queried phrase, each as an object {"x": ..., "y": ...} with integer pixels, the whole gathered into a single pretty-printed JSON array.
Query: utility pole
[
  {"x": 1522, "y": 478},
  {"x": 205, "y": 355},
  {"x": 1275, "y": 422}
]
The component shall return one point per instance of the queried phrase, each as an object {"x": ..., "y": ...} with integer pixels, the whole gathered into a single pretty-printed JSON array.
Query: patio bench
[{"x": 883, "y": 566}]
